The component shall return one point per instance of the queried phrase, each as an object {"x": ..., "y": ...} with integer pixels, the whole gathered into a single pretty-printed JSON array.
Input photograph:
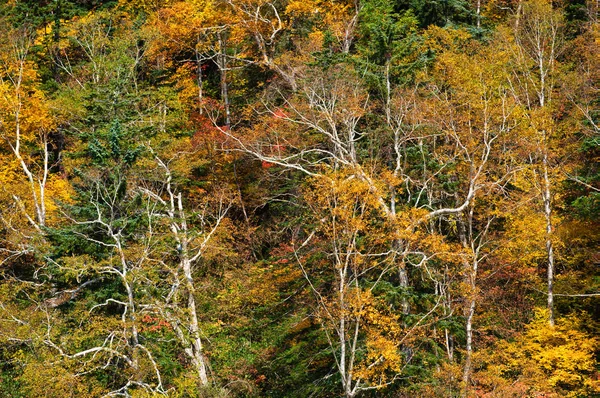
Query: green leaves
[
  {"x": 114, "y": 148},
  {"x": 374, "y": 197}
]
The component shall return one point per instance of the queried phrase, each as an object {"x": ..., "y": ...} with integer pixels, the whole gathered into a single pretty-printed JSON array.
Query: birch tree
[
  {"x": 26, "y": 127},
  {"x": 478, "y": 112},
  {"x": 538, "y": 42}
]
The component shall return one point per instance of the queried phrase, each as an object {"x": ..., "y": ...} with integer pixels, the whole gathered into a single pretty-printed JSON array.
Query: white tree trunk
[{"x": 547, "y": 198}]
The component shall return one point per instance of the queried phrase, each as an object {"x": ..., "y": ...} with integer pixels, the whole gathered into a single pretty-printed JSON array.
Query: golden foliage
[
  {"x": 382, "y": 334},
  {"x": 558, "y": 361}
]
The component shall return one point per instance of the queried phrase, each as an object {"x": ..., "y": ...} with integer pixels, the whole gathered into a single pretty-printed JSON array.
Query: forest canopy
[{"x": 299, "y": 198}]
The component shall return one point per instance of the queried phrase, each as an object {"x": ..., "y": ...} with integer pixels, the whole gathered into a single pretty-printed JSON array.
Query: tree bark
[
  {"x": 196, "y": 349},
  {"x": 546, "y": 196},
  {"x": 222, "y": 62}
]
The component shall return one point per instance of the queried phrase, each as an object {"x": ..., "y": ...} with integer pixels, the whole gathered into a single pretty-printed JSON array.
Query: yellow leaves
[
  {"x": 408, "y": 219},
  {"x": 440, "y": 39},
  {"x": 58, "y": 189},
  {"x": 41, "y": 365},
  {"x": 185, "y": 80},
  {"x": 144, "y": 5},
  {"x": 25, "y": 125},
  {"x": 38, "y": 376},
  {"x": 316, "y": 41},
  {"x": 382, "y": 359},
  {"x": 185, "y": 385},
  {"x": 559, "y": 358},
  {"x": 337, "y": 18},
  {"x": 183, "y": 25},
  {"x": 17, "y": 323},
  {"x": 382, "y": 333},
  {"x": 389, "y": 178},
  {"x": 478, "y": 84},
  {"x": 541, "y": 123},
  {"x": 525, "y": 239},
  {"x": 302, "y": 7},
  {"x": 10, "y": 174},
  {"x": 23, "y": 109},
  {"x": 259, "y": 19},
  {"x": 348, "y": 203}
]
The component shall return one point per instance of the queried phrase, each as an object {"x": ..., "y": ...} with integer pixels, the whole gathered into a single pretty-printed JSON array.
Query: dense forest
[{"x": 299, "y": 198}]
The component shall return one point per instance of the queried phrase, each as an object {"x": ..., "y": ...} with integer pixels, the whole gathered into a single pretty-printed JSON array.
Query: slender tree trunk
[
  {"x": 131, "y": 307},
  {"x": 199, "y": 80},
  {"x": 38, "y": 200},
  {"x": 403, "y": 277},
  {"x": 547, "y": 198},
  {"x": 402, "y": 274},
  {"x": 196, "y": 351},
  {"x": 449, "y": 345},
  {"x": 466, "y": 237},
  {"x": 222, "y": 61},
  {"x": 342, "y": 331},
  {"x": 469, "y": 328},
  {"x": 518, "y": 15},
  {"x": 191, "y": 341}
]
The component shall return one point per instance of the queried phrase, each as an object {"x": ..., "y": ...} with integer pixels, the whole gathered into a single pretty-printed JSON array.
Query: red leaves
[
  {"x": 279, "y": 114},
  {"x": 154, "y": 324},
  {"x": 266, "y": 165},
  {"x": 207, "y": 131}
]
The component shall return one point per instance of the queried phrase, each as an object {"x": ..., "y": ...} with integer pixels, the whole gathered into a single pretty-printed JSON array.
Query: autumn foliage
[{"x": 259, "y": 198}]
